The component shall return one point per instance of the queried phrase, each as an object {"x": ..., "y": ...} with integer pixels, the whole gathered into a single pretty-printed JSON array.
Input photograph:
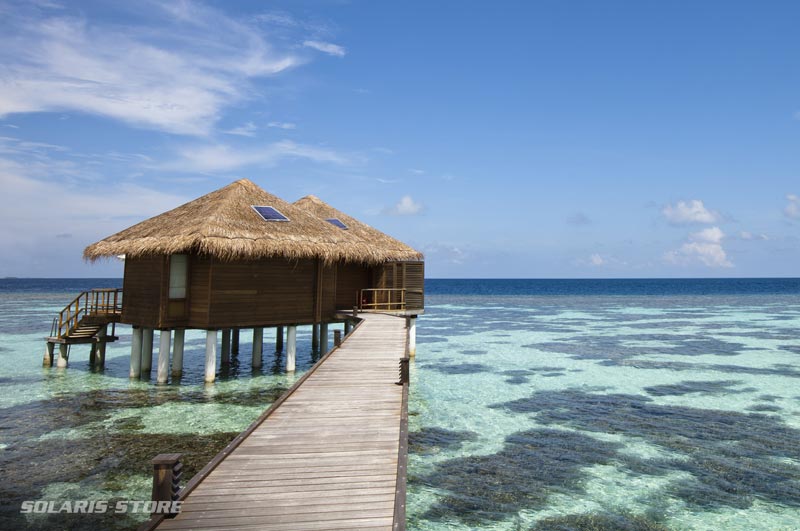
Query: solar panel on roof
[
  {"x": 337, "y": 222},
  {"x": 269, "y": 213}
]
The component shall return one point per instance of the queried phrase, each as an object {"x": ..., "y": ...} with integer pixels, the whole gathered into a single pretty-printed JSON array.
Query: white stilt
[
  {"x": 49, "y": 350},
  {"x": 315, "y": 337},
  {"x": 258, "y": 346},
  {"x": 291, "y": 347},
  {"x": 177, "y": 352},
  {"x": 323, "y": 338},
  {"x": 412, "y": 337},
  {"x": 211, "y": 355},
  {"x": 225, "y": 357},
  {"x": 147, "y": 350},
  {"x": 163, "y": 356},
  {"x": 63, "y": 349},
  {"x": 100, "y": 347},
  {"x": 136, "y": 353},
  {"x": 279, "y": 339}
]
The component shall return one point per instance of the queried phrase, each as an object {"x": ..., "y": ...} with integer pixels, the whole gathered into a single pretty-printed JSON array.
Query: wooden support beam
[
  {"x": 235, "y": 342},
  {"x": 258, "y": 346},
  {"x": 279, "y": 339},
  {"x": 323, "y": 337},
  {"x": 225, "y": 357}
]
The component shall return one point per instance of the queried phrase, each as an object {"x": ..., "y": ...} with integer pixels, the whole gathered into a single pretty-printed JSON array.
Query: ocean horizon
[{"x": 535, "y": 404}]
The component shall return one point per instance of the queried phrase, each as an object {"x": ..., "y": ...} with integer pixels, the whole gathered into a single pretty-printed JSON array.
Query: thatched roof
[
  {"x": 362, "y": 231},
  {"x": 223, "y": 224}
]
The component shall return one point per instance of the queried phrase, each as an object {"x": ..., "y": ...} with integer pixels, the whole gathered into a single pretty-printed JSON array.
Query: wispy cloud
[
  {"x": 216, "y": 158},
  {"x": 248, "y": 129},
  {"x": 175, "y": 71},
  {"x": 445, "y": 252},
  {"x": 405, "y": 207},
  {"x": 282, "y": 125},
  {"x": 326, "y": 47},
  {"x": 579, "y": 219},
  {"x": 792, "y": 209},
  {"x": 749, "y": 236},
  {"x": 705, "y": 247},
  {"x": 689, "y": 212}
]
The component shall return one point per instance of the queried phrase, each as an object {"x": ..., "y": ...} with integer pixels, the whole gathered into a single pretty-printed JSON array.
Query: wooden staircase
[{"x": 86, "y": 320}]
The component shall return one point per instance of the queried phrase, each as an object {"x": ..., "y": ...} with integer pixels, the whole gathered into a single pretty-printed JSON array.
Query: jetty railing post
[
  {"x": 337, "y": 338},
  {"x": 404, "y": 374},
  {"x": 167, "y": 471}
]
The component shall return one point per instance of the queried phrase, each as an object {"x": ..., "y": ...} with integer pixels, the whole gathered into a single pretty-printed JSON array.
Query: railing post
[
  {"x": 167, "y": 470},
  {"x": 404, "y": 376}
]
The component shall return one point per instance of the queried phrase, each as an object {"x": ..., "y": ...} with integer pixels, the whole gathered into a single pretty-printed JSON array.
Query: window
[{"x": 178, "y": 265}]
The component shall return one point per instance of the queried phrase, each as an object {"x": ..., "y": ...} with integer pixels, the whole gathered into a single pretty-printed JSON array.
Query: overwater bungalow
[{"x": 242, "y": 258}]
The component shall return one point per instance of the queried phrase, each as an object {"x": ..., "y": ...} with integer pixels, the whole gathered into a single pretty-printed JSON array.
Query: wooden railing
[
  {"x": 382, "y": 299},
  {"x": 96, "y": 302}
]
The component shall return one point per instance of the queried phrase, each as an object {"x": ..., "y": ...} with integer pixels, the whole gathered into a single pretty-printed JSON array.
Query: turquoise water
[
  {"x": 606, "y": 412},
  {"x": 533, "y": 407}
]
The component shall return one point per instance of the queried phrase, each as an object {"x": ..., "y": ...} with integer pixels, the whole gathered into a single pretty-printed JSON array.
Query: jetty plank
[{"x": 326, "y": 458}]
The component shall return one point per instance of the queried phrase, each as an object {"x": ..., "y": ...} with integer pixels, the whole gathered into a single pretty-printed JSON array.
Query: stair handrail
[{"x": 103, "y": 301}]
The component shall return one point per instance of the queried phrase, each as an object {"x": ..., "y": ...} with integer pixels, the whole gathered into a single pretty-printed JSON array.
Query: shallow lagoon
[{"x": 641, "y": 411}]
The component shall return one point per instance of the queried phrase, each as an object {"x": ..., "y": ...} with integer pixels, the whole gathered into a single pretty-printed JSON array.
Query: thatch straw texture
[
  {"x": 365, "y": 233},
  {"x": 223, "y": 224}
]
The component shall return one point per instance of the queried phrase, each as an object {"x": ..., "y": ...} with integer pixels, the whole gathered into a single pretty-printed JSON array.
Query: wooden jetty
[{"x": 329, "y": 454}]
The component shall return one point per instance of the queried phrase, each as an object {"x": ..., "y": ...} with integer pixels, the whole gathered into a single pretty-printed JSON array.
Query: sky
[{"x": 531, "y": 139}]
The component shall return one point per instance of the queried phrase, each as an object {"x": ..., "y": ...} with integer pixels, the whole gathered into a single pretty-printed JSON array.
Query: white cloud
[
  {"x": 175, "y": 72},
  {"x": 282, "y": 125},
  {"x": 405, "y": 207},
  {"x": 792, "y": 209},
  {"x": 326, "y": 47},
  {"x": 747, "y": 235},
  {"x": 705, "y": 247},
  {"x": 445, "y": 252},
  {"x": 213, "y": 158},
  {"x": 416, "y": 171},
  {"x": 248, "y": 129},
  {"x": 597, "y": 260},
  {"x": 689, "y": 212}
]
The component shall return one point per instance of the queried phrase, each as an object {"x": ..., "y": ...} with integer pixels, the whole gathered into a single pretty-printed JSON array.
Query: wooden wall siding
[
  {"x": 349, "y": 279},
  {"x": 414, "y": 280},
  {"x": 328, "y": 302},
  {"x": 199, "y": 290},
  {"x": 141, "y": 288},
  {"x": 265, "y": 292}
]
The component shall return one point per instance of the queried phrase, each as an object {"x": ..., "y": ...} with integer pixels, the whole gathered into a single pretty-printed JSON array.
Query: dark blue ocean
[{"x": 631, "y": 404}]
